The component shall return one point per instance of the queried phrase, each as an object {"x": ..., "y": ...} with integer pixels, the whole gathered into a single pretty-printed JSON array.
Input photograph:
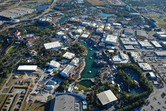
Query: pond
[
  {"x": 42, "y": 7},
  {"x": 89, "y": 59},
  {"x": 86, "y": 83}
]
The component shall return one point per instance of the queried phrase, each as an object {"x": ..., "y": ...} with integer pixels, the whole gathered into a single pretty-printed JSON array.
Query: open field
[
  {"x": 96, "y": 2},
  {"x": 2, "y": 97},
  {"x": 12, "y": 49}
]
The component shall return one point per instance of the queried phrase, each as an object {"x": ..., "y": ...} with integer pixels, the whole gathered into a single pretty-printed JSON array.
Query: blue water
[
  {"x": 102, "y": 14},
  {"x": 89, "y": 62},
  {"x": 41, "y": 7}
]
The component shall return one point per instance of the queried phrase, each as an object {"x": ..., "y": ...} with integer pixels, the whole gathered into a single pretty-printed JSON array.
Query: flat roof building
[
  {"x": 54, "y": 64},
  {"x": 27, "y": 68},
  {"x": 75, "y": 61},
  {"x": 53, "y": 45},
  {"x": 145, "y": 66},
  {"x": 67, "y": 102},
  {"x": 128, "y": 41},
  {"x": 107, "y": 97},
  {"x": 141, "y": 33},
  {"x": 156, "y": 44},
  {"x": 136, "y": 56},
  {"x": 67, "y": 70},
  {"x": 69, "y": 55},
  {"x": 85, "y": 35},
  {"x": 152, "y": 75},
  {"x": 145, "y": 44},
  {"x": 128, "y": 31},
  {"x": 128, "y": 47},
  {"x": 161, "y": 53},
  {"x": 110, "y": 39},
  {"x": 121, "y": 58}
]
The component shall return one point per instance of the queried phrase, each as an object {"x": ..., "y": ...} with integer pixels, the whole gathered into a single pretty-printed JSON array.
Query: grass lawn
[
  {"x": 96, "y": 2},
  {"x": 2, "y": 82},
  {"x": 11, "y": 49},
  {"x": 5, "y": 90},
  {"x": 2, "y": 97},
  {"x": 36, "y": 107}
]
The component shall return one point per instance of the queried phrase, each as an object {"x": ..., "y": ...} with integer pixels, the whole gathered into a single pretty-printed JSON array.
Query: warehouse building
[
  {"x": 67, "y": 70},
  {"x": 128, "y": 41},
  {"x": 110, "y": 39},
  {"x": 53, "y": 45},
  {"x": 145, "y": 44},
  {"x": 136, "y": 57},
  {"x": 161, "y": 35},
  {"x": 107, "y": 97},
  {"x": 141, "y": 33},
  {"x": 67, "y": 102},
  {"x": 29, "y": 68},
  {"x": 69, "y": 55},
  {"x": 161, "y": 53},
  {"x": 128, "y": 47},
  {"x": 145, "y": 66},
  {"x": 54, "y": 64},
  {"x": 128, "y": 31},
  {"x": 156, "y": 44}
]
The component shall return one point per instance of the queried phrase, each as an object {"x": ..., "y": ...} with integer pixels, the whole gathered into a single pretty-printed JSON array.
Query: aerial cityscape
[{"x": 82, "y": 55}]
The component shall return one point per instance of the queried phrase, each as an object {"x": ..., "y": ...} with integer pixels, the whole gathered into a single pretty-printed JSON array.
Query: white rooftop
[
  {"x": 106, "y": 97},
  {"x": 54, "y": 64},
  {"x": 156, "y": 44},
  {"x": 145, "y": 66},
  {"x": 111, "y": 39},
  {"x": 145, "y": 44},
  {"x": 152, "y": 75},
  {"x": 69, "y": 55},
  {"x": 53, "y": 45},
  {"x": 27, "y": 68}
]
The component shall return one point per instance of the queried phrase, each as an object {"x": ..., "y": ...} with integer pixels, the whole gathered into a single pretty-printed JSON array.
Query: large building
[
  {"x": 67, "y": 70},
  {"x": 67, "y": 102},
  {"x": 145, "y": 44},
  {"x": 161, "y": 53},
  {"x": 161, "y": 35},
  {"x": 53, "y": 45},
  {"x": 27, "y": 68},
  {"x": 107, "y": 97},
  {"x": 120, "y": 59},
  {"x": 145, "y": 66},
  {"x": 156, "y": 44},
  {"x": 128, "y": 41},
  {"x": 128, "y": 31},
  {"x": 69, "y": 55},
  {"x": 141, "y": 33},
  {"x": 110, "y": 39},
  {"x": 54, "y": 64}
]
